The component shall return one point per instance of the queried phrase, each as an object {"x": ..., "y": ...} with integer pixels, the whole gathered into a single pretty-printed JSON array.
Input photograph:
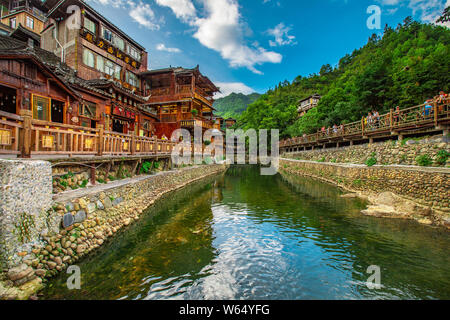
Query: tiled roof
[{"x": 22, "y": 33}]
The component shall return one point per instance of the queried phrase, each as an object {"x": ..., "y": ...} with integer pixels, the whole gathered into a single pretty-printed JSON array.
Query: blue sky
[{"x": 251, "y": 45}]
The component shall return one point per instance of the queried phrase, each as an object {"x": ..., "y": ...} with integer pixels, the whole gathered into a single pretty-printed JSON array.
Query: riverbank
[
  {"x": 80, "y": 221},
  {"x": 406, "y": 192}
]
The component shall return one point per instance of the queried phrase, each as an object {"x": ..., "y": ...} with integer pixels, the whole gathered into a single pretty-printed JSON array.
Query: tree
[{"x": 445, "y": 16}]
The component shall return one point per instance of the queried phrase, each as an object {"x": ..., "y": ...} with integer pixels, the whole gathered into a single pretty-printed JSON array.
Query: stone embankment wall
[
  {"x": 81, "y": 223},
  {"x": 427, "y": 187},
  {"x": 389, "y": 152}
]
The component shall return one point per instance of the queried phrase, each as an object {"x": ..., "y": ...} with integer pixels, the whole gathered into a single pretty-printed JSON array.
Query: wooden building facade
[{"x": 180, "y": 98}]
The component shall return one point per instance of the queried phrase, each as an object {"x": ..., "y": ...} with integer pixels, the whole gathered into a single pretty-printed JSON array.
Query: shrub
[
  {"x": 424, "y": 160},
  {"x": 146, "y": 167},
  {"x": 333, "y": 160},
  {"x": 442, "y": 157},
  {"x": 321, "y": 160},
  {"x": 372, "y": 160},
  {"x": 84, "y": 183},
  {"x": 207, "y": 142}
]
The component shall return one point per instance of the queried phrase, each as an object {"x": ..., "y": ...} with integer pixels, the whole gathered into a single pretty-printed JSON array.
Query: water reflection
[{"x": 247, "y": 236}]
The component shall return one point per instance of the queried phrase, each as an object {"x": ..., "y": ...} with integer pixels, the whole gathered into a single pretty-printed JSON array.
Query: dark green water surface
[{"x": 245, "y": 236}]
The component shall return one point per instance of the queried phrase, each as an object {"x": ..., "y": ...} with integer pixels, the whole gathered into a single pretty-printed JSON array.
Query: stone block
[{"x": 80, "y": 216}]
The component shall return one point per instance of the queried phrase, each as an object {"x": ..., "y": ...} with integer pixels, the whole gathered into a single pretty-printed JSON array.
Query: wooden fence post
[
  {"x": 362, "y": 126},
  {"x": 25, "y": 140},
  {"x": 435, "y": 107},
  {"x": 100, "y": 145},
  {"x": 133, "y": 144}
]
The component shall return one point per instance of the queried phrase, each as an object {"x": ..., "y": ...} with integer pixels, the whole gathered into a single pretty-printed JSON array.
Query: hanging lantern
[
  {"x": 88, "y": 143},
  {"x": 47, "y": 141},
  {"x": 5, "y": 137}
]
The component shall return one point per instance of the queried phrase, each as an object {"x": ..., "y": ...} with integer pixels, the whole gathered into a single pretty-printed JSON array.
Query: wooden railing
[
  {"x": 25, "y": 137},
  {"x": 196, "y": 122},
  {"x": 10, "y": 127},
  {"x": 396, "y": 121}
]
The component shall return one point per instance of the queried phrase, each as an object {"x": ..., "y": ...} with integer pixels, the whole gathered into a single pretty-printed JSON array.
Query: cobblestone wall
[
  {"x": 86, "y": 221},
  {"x": 426, "y": 186},
  {"x": 25, "y": 197},
  {"x": 389, "y": 152}
]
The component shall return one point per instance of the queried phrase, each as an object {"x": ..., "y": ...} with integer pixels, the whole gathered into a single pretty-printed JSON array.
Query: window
[
  {"x": 132, "y": 79},
  {"x": 112, "y": 69},
  {"x": 30, "y": 22},
  {"x": 117, "y": 70},
  {"x": 107, "y": 35},
  {"x": 100, "y": 64},
  {"x": 133, "y": 52},
  {"x": 118, "y": 42},
  {"x": 41, "y": 108},
  {"x": 88, "y": 109},
  {"x": 88, "y": 58},
  {"x": 12, "y": 23},
  {"x": 90, "y": 25}
]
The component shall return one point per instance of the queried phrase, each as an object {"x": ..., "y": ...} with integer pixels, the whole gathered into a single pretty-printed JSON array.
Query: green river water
[{"x": 241, "y": 235}]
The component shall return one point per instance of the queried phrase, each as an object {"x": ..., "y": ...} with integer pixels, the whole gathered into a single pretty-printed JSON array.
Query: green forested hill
[
  {"x": 404, "y": 67},
  {"x": 234, "y": 104}
]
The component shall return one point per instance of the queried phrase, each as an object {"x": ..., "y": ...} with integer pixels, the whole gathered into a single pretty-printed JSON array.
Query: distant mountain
[{"x": 234, "y": 104}]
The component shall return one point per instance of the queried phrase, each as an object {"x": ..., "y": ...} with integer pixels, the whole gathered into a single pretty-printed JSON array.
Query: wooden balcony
[
  {"x": 25, "y": 137},
  {"x": 196, "y": 122},
  {"x": 180, "y": 92}
]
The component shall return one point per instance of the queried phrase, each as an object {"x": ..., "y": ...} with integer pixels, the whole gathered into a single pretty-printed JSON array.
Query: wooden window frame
[
  {"x": 28, "y": 18},
  {"x": 33, "y": 96}
]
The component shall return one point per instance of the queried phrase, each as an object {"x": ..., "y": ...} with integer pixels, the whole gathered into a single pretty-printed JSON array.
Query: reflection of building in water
[{"x": 217, "y": 190}]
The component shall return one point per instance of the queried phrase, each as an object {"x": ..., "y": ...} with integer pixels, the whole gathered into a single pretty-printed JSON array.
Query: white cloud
[
  {"x": 428, "y": 10},
  {"x": 183, "y": 9},
  {"x": 227, "y": 88},
  {"x": 162, "y": 47},
  {"x": 282, "y": 36},
  {"x": 220, "y": 28},
  {"x": 143, "y": 14}
]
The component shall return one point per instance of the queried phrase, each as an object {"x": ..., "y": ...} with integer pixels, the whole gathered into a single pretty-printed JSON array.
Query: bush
[
  {"x": 146, "y": 167},
  {"x": 371, "y": 161},
  {"x": 321, "y": 160},
  {"x": 207, "y": 142},
  {"x": 442, "y": 157},
  {"x": 84, "y": 183},
  {"x": 424, "y": 160}
]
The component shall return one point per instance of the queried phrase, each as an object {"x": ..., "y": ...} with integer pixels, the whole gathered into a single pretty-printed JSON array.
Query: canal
[{"x": 241, "y": 235}]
